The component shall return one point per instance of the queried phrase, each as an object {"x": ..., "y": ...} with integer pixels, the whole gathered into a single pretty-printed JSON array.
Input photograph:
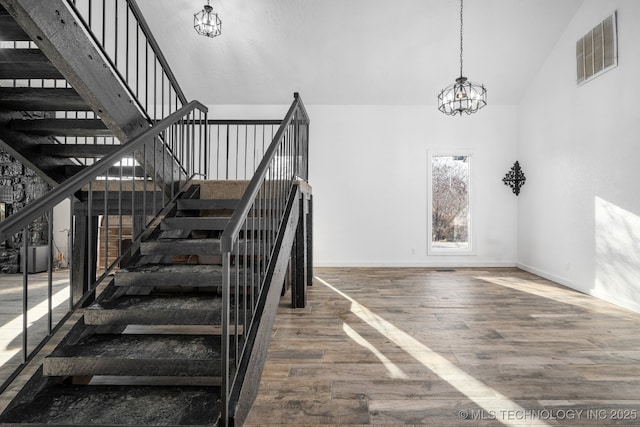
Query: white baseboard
[
  {"x": 613, "y": 299},
  {"x": 425, "y": 264},
  {"x": 544, "y": 274}
]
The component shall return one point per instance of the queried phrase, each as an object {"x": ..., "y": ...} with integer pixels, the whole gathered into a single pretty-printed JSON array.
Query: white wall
[
  {"x": 368, "y": 169},
  {"x": 579, "y": 213}
]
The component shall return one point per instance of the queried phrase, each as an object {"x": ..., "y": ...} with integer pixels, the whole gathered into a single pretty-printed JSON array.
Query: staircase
[
  {"x": 153, "y": 335},
  {"x": 178, "y": 316},
  {"x": 149, "y": 349}
]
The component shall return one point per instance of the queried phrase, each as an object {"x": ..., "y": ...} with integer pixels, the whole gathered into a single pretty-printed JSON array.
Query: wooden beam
[
  {"x": 26, "y": 64},
  {"x": 41, "y": 99},
  {"x": 127, "y": 171},
  {"x": 77, "y": 150}
]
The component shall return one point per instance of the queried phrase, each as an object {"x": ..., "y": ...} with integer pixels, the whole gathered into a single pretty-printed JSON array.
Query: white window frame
[{"x": 471, "y": 250}]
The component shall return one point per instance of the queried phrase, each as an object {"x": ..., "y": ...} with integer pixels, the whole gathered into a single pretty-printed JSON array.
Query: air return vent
[{"x": 597, "y": 51}]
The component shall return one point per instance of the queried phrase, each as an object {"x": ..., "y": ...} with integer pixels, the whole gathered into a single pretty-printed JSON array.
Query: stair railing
[
  {"x": 238, "y": 146},
  {"x": 121, "y": 32},
  {"x": 112, "y": 189},
  {"x": 249, "y": 245}
]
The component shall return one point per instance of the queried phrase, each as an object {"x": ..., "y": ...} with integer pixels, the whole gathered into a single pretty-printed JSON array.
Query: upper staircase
[
  {"x": 65, "y": 100},
  {"x": 176, "y": 317}
]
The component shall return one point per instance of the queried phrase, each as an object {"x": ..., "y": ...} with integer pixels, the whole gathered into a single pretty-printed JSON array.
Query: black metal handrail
[{"x": 249, "y": 242}]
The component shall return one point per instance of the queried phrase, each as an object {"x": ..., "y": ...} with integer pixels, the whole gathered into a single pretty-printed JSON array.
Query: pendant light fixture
[
  {"x": 463, "y": 96},
  {"x": 206, "y": 22}
]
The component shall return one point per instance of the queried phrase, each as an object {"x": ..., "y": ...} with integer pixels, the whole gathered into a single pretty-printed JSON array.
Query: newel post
[{"x": 301, "y": 249}]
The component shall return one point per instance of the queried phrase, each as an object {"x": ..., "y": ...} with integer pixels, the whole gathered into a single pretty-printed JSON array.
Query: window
[{"x": 450, "y": 228}]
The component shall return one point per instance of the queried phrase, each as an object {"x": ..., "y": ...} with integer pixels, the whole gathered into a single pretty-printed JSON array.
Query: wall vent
[{"x": 597, "y": 51}]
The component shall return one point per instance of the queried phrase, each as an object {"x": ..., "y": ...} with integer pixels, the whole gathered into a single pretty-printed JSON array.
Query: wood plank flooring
[{"x": 471, "y": 347}]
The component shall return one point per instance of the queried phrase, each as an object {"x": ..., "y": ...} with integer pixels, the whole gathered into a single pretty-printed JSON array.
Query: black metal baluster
[
  {"x": 50, "y": 271},
  {"x": 25, "y": 290},
  {"x": 106, "y": 220}
]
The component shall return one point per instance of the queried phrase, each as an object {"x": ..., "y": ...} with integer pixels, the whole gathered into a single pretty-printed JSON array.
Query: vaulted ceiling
[{"x": 390, "y": 52}]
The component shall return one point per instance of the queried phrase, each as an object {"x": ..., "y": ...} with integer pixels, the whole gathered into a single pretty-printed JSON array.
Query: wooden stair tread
[
  {"x": 207, "y": 204},
  {"x": 130, "y": 354},
  {"x": 181, "y": 246},
  {"x": 163, "y": 309},
  {"x": 26, "y": 64},
  {"x": 78, "y": 150},
  {"x": 9, "y": 28},
  {"x": 173, "y": 275},
  {"x": 63, "y": 127},
  {"x": 195, "y": 223},
  {"x": 210, "y": 223},
  {"x": 119, "y": 405},
  {"x": 42, "y": 99},
  {"x": 162, "y": 269}
]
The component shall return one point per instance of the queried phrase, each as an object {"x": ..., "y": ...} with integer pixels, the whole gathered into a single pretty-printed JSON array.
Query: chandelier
[
  {"x": 206, "y": 22},
  {"x": 463, "y": 96}
]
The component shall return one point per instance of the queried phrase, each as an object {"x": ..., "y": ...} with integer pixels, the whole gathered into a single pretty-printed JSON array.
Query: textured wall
[{"x": 18, "y": 187}]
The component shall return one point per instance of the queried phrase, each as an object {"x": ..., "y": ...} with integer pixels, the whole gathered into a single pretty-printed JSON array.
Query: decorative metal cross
[{"x": 515, "y": 178}]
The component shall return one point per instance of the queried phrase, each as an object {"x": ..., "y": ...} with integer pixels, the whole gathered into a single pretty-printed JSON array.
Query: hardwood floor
[{"x": 449, "y": 348}]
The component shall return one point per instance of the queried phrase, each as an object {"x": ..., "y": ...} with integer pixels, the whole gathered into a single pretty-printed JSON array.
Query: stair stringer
[{"x": 259, "y": 337}]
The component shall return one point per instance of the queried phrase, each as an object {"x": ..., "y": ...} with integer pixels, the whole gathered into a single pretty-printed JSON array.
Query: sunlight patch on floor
[
  {"x": 18, "y": 289},
  {"x": 13, "y": 329},
  {"x": 544, "y": 290},
  {"x": 498, "y": 406},
  {"x": 394, "y": 370}
]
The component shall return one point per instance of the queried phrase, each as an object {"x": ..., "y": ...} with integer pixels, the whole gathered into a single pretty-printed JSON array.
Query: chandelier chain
[
  {"x": 461, "y": 38},
  {"x": 463, "y": 96}
]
